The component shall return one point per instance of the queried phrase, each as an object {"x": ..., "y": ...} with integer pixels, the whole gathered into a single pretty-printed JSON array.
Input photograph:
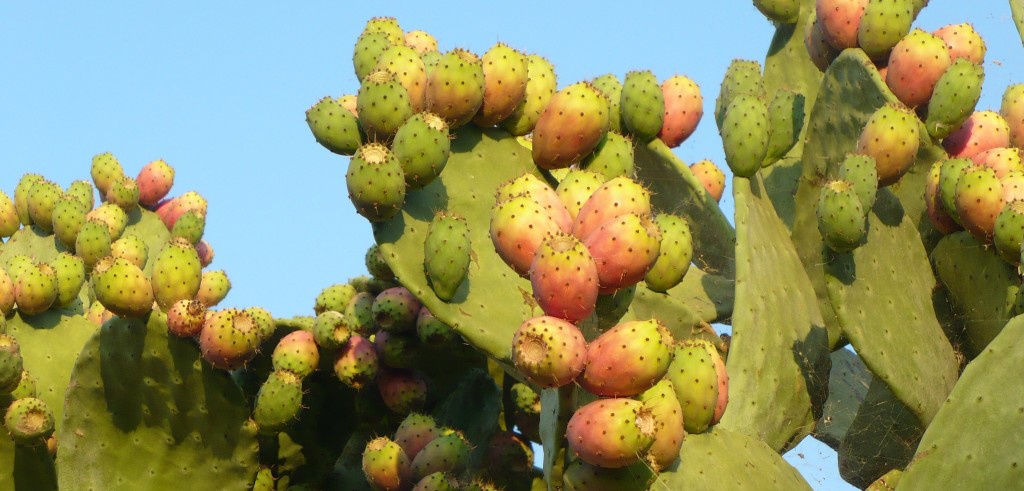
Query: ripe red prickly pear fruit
[
  {"x": 564, "y": 278},
  {"x": 229, "y": 339},
  {"x": 448, "y": 453},
  {"x": 455, "y": 87},
  {"x": 1012, "y": 110},
  {"x": 205, "y": 251},
  {"x": 612, "y": 199},
  {"x": 627, "y": 359},
  {"x": 518, "y": 227},
  {"x": 983, "y": 130},
  {"x": 694, "y": 376},
  {"x": 576, "y": 187},
  {"x": 1013, "y": 186},
  {"x": 891, "y": 137},
  {"x": 296, "y": 353},
  {"x": 213, "y": 287},
  {"x": 415, "y": 432},
  {"x": 186, "y": 317},
  {"x": 177, "y": 273},
  {"x": 9, "y": 222},
  {"x": 403, "y": 391},
  {"x": 169, "y": 211},
  {"x": 395, "y": 309},
  {"x": 710, "y": 176},
  {"x": 674, "y": 254},
  {"x": 839, "y": 21},
  {"x": 1001, "y": 160},
  {"x": 978, "y": 201},
  {"x": 376, "y": 182},
  {"x": 624, "y": 248},
  {"x": 155, "y": 181},
  {"x": 549, "y": 351},
  {"x": 963, "y": 42},
  {"x": 611, "y": 432},
  {"x": 684, "y": 107},
  {"x": 933, "y": 202},
  {"x": 642, "y": 105},
  {"x": 540, "y": 87},
  {"x": 571, "y": 126},
  {"x": 356, "y": 363},
  {"x": 105, "y": 170},
  {"x": 542, "y": 193},
  {"x": 505, "y": 76},
  {"x": 723, "y": 384},
  {"x": 821, "y": 51},
  {"x": 122, "y": 288},
  {"x": 386, "y": 466},
  {"x": 915, "y": 65},
  {"x": 668, "y": 417}
]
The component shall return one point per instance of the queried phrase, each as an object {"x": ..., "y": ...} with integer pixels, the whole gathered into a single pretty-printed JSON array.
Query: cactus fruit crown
[
  {"x": 380, "y": 76},
  {"x": 839, "y": 185},
  {"x": 434, "y": 121},
  {"x": 374, "y": 153}
]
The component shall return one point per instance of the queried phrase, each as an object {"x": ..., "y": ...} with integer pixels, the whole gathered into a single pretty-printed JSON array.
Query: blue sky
[{"x": 218, "y": 89}]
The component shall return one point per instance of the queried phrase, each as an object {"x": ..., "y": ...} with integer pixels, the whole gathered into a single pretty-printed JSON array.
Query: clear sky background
[{"x": 219, "y": 90}]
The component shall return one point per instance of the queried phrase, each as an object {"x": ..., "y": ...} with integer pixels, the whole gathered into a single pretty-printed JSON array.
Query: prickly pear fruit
[
  {"x": 979, "y": 200},
  {"x": 395, "y": 309},
  {"x": 710, "y": 176},
  {"x": 1013, "y": 186},
  {"x": 614, "y": 198},
  {"x": 571, "y": 126},
  {"x": 42, "y": 197},
  {"x": 861, "y": 171},
  {"x": 518, "y": 227},
  {"x": 674, "y": 255},
  {"x": 884, "y": 23},
  {"x": 575, "y": 189},
  {"x": 694, "y": 376},
  {"x": 1009, "y": 231},
  {"x": 950, "y": 174},
  {"x": 438, "y": 481},
  {"x": 6, "y": 294},
  {"x": 613, "y": 157},
  {"x": 359, "y": 313},
  {"x": 26, "y": 386},
  {"x": 446, "y": 453},
  {"x": 21, "y": 196},
  {"x": 611, "y": 432},
  {"x": 155, "y": 181},
  {"x": 841, "y": 220},
  {"x": 331, "y": 330},
  {"x": 433, "y": 331},
  {"x": 9, "y": 222},
  {"x": 93, "y": 242},
  {"x": 205, "y": 251},
  {"x": 421, "y": 41},
  {"x": 35, "y": 289},
  {"x": 334, "y": 127},
  {"x": 387, "y": 25},
  {"x": 278, "y": 402},
  {"x": 383, "y": 104},
  {"x": 82, "y": 191},
  {"x": 506, "y": 71},
  {"x": 963, "y": 42},
  {"x": 409, "y": 71},
  {"x": 386, "y": 466},
  {"x": 549, "y": 351},
  {"x": 723, "y": 384},
  {"x": 542, "y": 193},
  {"x": 296, "y": 353},
  {"x": 954, "y": 98},
  {"x": 396, "y": 350},
  {"x": 982, "y": 130},
  {"x": 415, "y": 432},
  {"x": 18, "y": 265},
  {"x": 1012, "y": 111},
  {"x": 98, "y": 314},
  {"x": 265, "y": 324},
  {"x": 915, "y": 65},
  {"x": 642, "y": 105},
  {"x": 839, "y": 21},
  {"x": 455, "y": 87},
  {"x": 508, "y": 455},
  {"x": 229, "y": 339},
  {"x": 368, "y": 49},
  {"x": 627, "y": 359},
  {"x": 112, "y": 216},
  {"x": 171, "y": 210},
  {"x": 190, "y": 227},
  {"x": 446, "y": 254},
  {"x": 624, "y": 248},
  {"x": 540, "y": 87},
  {"x": 403, "y": 391},
  {"x": 785, "y": 120},
  {"x": 1001, "y": 160},
  {"x": 177, "y": 273},
  {"x": 69, "y": 270},
  {"x": 745, "y": 134},
  {"x": 782, "y": 11},
  {"x": 186, "y": 317},
  {"x": 933, "y": 202},
  {"x": 422, "y": 147},
  {"x": 743, "y": 77},
  {"x": 11, "y": 364},
  {"x": 335, "y": 297},
  {"x": 564, "y": 278},
  {"x": 105, "y": 170},
  {"x": 668, "y": 417},
  {"x": 124, "y": 192},
  {"x": 356, "y": 362},
  {"x": 68, "y": 218},
  {"x": 29, "y": 421},
  {"x": 611, "y": 88},
  {"x": 581, "y": 476},
  {"x": 375, "y": 264},
  {"x": 891, "y": 138},
  {"x": 376, "y": 183},
  {"x": 213, "y": 287}
]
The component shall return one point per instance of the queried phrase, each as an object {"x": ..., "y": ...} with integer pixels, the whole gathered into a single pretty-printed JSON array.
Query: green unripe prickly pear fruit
[
  {"x": 112, "y": 216},
  {"x": 581, "y": 476},
  {"x": 1009, "y": 231},
  {"x": 190, "y": 227},
  {"x": 265, "y": 324},
  {"x": 9, "y": 222},
  {"x": 335, "y": 297},
  {"x": 422, "y": 146},
  {"x": 455, "y": 87},
  {"x": 93, "y": 242},
  {"x": 840, "y": 217},
  {"x": 933, "y": 202},
  {"x": 132, "y": 248},
  {"x": 447, "y": 453},
  {"x": 609, "y": 86},
  {"x": 124, "y": 192},
  {"x": 68, "y": 218},
  {"x": 383, "y": 105},
  {"x": 954, "y": 98},
  {"x": 35, "y": 289},
  {"x": 576, "y": 187},
  {"x": 6, "y": 294},
  {"x": 745, "y": 135},
  {"x": 540, "y": 87},
  {"x": 885, "y": 23},
  {"x": 296, "y": 353},
  {"x": 122, "y": 287},
  {"x": 375, "y": 264},
  {"x": 743, "y": 77},
  {"x": 26, "y": 386},
  {"x": 447, "y": 252},
  {"x": 278, "y": 402},
  {"x": 334, "y": 126},
  {"x": 82, "y": 191},
  {"x": 433, "y": 331},
  {"x": 408, "y": 68},
  {"x": 661, "y": 400},
  {"x": 861, "y": 171},
  {"x": 359, "y": 313},
  {"x": 891, "y": 138},
  {"x": 70, "y": 273},
  {"x": 949, "y": 175},
  {"x": 387, "y": 25},
  {"x": 386, "y": 466},
  {"x": 29, "y": 421},
  {"x": 781, "y": 11},
  {"x": 785, "y": 120},
  {"x": 331, "y": 330},
  {"x": 642, "y": 105},
  {"x": 505, "y": 76},
  {"x": 213, "y": 287},
  {"x": 376, "y": 183},
  {"x": 695, "y": 378},
  {"x": 176, "y": 273},
  {"x": 42, "y": 197},
  {"x": 18, "y": 265},
  {"x": 368, "y": 49},
  {"x": 105, "y": 170},
  {"x": 675, "y": 253},
  {"x": 21, "y": 196},
  {"x": 1012, "y": 110},
  {"x": 612, "y": 158},
  {"x": 11, "y": 364}
]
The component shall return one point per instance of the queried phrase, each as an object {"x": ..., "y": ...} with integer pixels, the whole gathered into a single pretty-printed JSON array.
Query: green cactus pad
[
  {"x": 847, "y": 386},
  {"x": 24, "y": 468},
  {"x": 144, "y": 411},
  {"x": 982, "y": 287},
  {"x": 881, "y": 437},
  {"x": 1017, "y": 10},
  {"x": 966, "y": 441},
  {"x": 721, "y": 459},
  {"x": 767, "y": 268}
]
